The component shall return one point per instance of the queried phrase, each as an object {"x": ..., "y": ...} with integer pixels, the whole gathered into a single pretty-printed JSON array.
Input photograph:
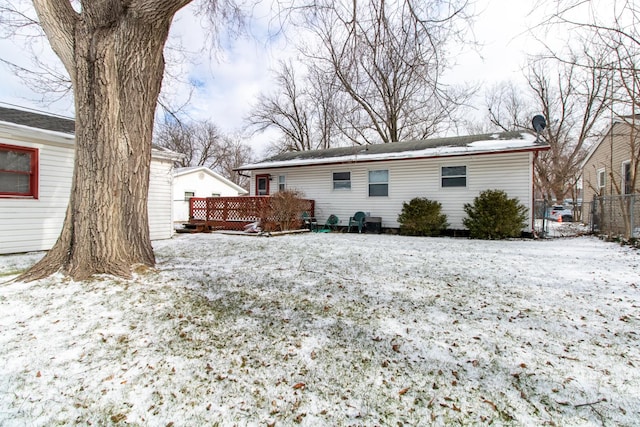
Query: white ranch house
[
  {"x": 36, "y": 169},
  {"x": 199, "y": 181},
  {"x": 377, "y": 179}
]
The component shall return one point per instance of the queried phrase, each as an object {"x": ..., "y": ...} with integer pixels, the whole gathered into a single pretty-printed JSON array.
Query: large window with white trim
[
  {"x": 379, "y": 183},
  {"x": 18, "y": 171},
  {"x": 453, "y": 176}
]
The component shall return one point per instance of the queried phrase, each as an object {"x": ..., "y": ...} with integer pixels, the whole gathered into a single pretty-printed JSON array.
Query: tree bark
[{"x": 113, "y": 51}]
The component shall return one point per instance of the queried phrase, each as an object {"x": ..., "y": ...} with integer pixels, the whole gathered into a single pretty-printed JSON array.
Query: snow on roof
[{"x": 437, "y": 147}]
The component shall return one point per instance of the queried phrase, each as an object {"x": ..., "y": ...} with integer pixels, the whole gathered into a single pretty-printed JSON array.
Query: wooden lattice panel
[{"x": 234, "y": 213}]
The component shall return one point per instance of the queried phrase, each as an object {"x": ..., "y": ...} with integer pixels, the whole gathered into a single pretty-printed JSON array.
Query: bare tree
[
  {"x": 203, "y": 144},
  {"x": 388, "y": 57},
  {"x": 112, "y": 52},
  {"x": 573, "y": 101},
  {"x": 199, "y": 142},
  {"x": 372, "y": 74},
  {"x": 611, "y": 29},
  {"x": 301, "y": 108},
  {"x": 287, "y": 109},
  {"x": 509, "y": 108},
  {"x": 234, "y": 154}
]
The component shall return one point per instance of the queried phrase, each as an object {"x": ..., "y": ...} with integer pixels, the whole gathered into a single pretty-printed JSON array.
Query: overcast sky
[{"x": 225, "y": 84}]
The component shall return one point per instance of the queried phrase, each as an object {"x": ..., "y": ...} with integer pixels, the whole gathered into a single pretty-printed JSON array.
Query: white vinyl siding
[
  {"x": 34, "y": 225},
  {"x": 510, "y": 172},
  {"x": 159, "y": 199}
]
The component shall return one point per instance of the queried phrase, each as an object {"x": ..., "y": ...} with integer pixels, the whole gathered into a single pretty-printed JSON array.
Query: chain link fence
[
  {"x": 547, "y": 224},
  {"x": 615, "y": 215}
]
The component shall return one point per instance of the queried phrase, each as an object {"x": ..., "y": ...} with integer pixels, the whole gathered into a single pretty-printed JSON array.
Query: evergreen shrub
[
  {"x": 422, "y": 217},
  {"x": 493, "y": 215}
]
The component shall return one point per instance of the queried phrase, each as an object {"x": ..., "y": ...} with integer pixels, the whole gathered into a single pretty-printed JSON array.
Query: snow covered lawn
[{"x": 330, "y": 329}]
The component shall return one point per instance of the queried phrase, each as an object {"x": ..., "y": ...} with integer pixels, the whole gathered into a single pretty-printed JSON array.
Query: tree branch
[{"x": 59, "y": 20}]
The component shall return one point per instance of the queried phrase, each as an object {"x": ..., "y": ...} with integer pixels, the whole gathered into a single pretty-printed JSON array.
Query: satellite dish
[{"x": 539, "y": 123}]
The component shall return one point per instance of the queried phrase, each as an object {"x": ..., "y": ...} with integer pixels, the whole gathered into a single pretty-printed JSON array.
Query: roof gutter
[{"x": 283, "y": 164}]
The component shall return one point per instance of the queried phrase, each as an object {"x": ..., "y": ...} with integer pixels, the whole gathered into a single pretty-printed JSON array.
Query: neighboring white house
[
  {"x": 36, "y": 169},
  {"x": 377, "y": 179},
  {"x": 199, "y": 181}
]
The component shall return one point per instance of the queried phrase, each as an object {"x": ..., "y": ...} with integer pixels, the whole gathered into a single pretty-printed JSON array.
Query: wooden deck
[{"x": 234, "y": 213}]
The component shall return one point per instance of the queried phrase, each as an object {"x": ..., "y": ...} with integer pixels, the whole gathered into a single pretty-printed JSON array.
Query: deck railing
[{"x": 235, "y": 213}]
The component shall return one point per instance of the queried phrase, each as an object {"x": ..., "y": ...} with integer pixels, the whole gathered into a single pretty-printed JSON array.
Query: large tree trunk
[{"x": 116, "y": 66}]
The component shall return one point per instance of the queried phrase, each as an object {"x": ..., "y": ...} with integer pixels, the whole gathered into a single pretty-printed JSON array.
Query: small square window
[
  {"x": 188, "y": 195},
  {"x": 602, "y": 178},
  {"x": 453, "y": 176},
  {"x": 342, "y": 180}
]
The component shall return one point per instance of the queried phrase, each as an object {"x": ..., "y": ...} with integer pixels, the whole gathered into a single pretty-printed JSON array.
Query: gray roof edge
[
  {"x": 37, "y": 120},
  {"x": 393, "y": 147}
]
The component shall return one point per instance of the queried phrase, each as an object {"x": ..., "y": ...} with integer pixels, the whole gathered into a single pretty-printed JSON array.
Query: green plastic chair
[
  {"x": 330, "y": 225},
  {"x": 309, "y": 222},
  {"x": 357, "y": 219}
]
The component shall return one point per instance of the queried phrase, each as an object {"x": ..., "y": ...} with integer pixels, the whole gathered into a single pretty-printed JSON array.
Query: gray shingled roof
[
  {"x": 396, "y": 147},
  {"x": 37, "y": 120}
]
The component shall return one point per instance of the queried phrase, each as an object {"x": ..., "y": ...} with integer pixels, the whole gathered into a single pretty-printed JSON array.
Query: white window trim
[
  {"x": 452, "y": 165},
  {"x": 333, "y": 188},
  {"x": 388, "y": 181},
  {"x": 283, "y": 183},
  {"x": 601, "y": 172}
]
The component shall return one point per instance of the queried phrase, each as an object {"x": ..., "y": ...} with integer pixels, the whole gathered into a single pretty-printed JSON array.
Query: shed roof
[
  {"x": 191, "y": 169},
  {"x": 426, "y": 148}
]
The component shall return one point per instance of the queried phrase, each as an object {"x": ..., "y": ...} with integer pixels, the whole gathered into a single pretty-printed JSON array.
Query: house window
[
  {"x": 215, "y": 194},
  {"x": 342, "y": 180},
  {"x": 282, "y": 182},
  {"x": 18, "y": 171},
  {"x": 378, "y": 183},
  {"x": 188, "y": 195},
  {"x": 602, "y": 179},
  {"x": 626, "y": 177},
  {"x": 453, "y": 176}
]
